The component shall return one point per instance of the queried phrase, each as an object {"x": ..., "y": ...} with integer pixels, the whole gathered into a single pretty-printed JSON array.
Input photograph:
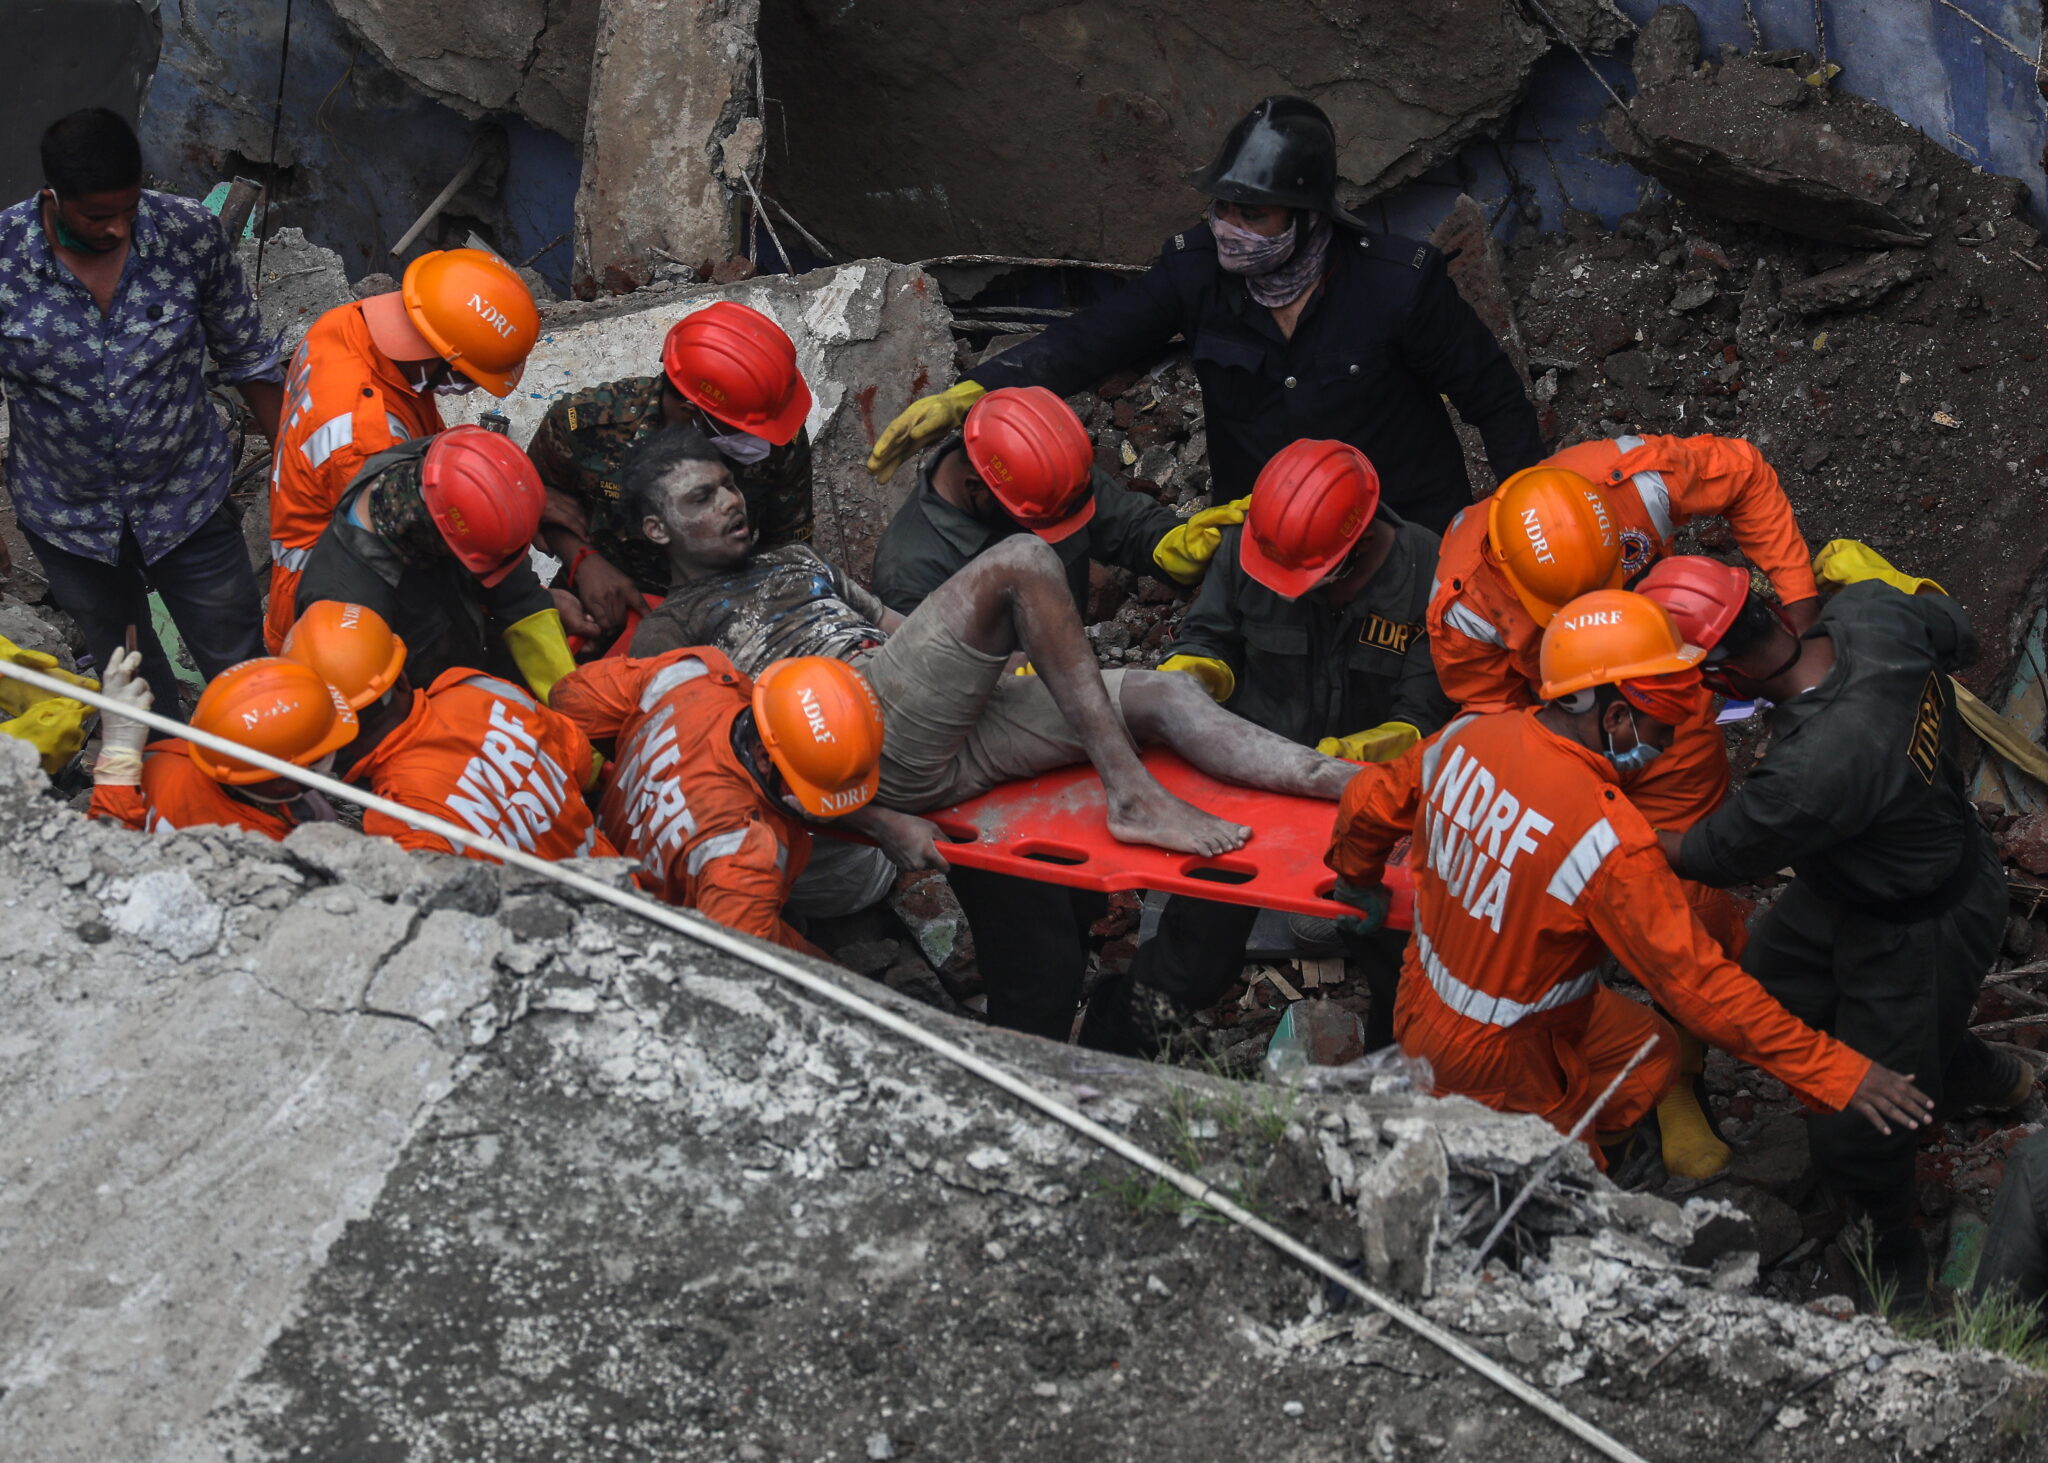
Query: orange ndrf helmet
[
  {"x": 1035, "y": 456},
  {"x": 476, "y": 311},
  {"x": 484, "y": 497},
  {"x": 272, "y": 705},
  {"x": 1310, "y": 506},
  {"x": 1613, "y": 637},
  {"x": 822, "y": 726},
  {"x": 1554, "y": 537},
  {"x": 735, "y": 364},
  {"x": 350, "y": 647}
]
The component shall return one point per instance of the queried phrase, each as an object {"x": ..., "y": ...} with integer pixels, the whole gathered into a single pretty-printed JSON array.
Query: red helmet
[
  {"x": 1035, "y": 456},
  {"x": 1310, "y": 507},
  {"x": 1703, "y": 595},
  {"x": 736, "y": 364},
  {"x": 485, "y": 498}
]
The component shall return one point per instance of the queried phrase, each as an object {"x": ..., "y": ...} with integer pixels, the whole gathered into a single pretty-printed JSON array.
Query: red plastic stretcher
[{"x": 1054, "y": 829}]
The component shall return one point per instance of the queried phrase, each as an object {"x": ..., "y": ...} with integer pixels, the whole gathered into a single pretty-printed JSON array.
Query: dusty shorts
[{"x": 954, "y": 724}]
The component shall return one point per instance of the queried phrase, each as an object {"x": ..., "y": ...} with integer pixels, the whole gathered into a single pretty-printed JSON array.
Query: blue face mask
[
  {"x": 1630, "y": 764},
  {"x": 743, "y": 447}
]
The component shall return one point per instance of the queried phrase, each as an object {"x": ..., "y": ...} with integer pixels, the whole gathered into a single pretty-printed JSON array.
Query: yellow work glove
[
  {"x": 1383, "y": 743},
  {"x": 55, "y": 727},
  {"x": 17, "y": 696},
  {"x": 1184, "y": 554},
  {"x": 1217, "y": 678},
  {"x": 1845, "y": 562},
  {"x": 920, "y": 424},
  {"x": 540, "y": 649}
]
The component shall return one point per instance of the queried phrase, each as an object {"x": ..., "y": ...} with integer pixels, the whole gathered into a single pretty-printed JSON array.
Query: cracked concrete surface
[
  {"x": 526, "y": 56},
  {"x": 422, "y": 1159}
]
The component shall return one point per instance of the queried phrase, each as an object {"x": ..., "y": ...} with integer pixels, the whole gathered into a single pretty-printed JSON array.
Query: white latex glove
[{"x": 122, "y": 738}]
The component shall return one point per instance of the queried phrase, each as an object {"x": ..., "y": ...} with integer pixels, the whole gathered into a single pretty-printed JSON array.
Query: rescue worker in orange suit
[
  {"x": 1023, "y": 463},
  {"x": 471, "y": 748},
  {"x": 276, "y": 706},
  {"x": 1309, "y": 625},
  {"x": 1898, "y": 901},
  {"x": 1301, "y": 322},
  {"x": 1588, "y": 518},
  {"x": 367, "y": 377},
  {"x": 1530, "y": 864},
  {"x": 730, "y": 372},
  {"x": 717, "y": 778},
  {"x": 435, "y": 535}
]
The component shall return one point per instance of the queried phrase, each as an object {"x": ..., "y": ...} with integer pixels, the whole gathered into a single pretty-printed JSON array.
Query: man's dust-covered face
[{"x": 703, "y": 518}]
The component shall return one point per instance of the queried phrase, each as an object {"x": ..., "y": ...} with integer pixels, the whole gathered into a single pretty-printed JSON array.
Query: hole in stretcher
[
  {"x": 955, "y": 832},
  {"x": 1221, "y": 873},
  {"x": 1325, "y": 886},
  {"x": 1050, "y": 853}
]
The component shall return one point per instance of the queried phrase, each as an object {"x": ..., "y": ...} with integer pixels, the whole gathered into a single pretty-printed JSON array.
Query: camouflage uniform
[{"x": 582, "y": 444}]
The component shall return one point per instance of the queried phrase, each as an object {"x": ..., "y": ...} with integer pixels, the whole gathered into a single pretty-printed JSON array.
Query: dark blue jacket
[{"x": 1373, "y": 354}]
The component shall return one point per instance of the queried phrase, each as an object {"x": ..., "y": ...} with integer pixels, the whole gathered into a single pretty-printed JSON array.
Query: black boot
[{"x": 1635, "y": 1157}]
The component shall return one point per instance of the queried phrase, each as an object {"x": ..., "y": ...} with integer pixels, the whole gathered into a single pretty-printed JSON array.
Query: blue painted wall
[{"x": 364, "y": 152}]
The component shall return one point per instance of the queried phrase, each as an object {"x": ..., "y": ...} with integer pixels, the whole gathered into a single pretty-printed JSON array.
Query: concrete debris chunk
[
  {"x": 669, "y": 86},
  {"x": 1738, "y": 140},
  {"x": 1853, "y": 286},
  {"x": 166, "y": 910},
  {"x": 300, "y": 281}
]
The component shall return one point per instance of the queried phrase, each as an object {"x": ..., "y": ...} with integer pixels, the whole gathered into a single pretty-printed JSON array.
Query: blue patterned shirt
[{"x": 110, "y": 425}]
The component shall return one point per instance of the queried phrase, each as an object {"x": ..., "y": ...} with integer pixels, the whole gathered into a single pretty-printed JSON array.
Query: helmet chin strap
[{"x": 1730, "y": 681}]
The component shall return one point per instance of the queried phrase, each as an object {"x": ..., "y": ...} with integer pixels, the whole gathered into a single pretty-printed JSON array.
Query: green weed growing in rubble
[
  {"x": 1997, "y": 1322},
  {"x": 1195, "y": 1119}
]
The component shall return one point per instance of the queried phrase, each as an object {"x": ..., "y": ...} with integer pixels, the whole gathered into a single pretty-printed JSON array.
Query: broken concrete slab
[
  {"x": 479, "y": 56},
  {"x": 1474, "y": 264},
  {"x": 1756, "y": 143},
  {"x": 300, "y": 281},
  {"x": 1020, "y": 127},
  {"x": 670, "y": 86},
  {"x": 1854, "y": 286},
  {"x": 870, "y": 337},
  {"x": 697, "y": 1214}
]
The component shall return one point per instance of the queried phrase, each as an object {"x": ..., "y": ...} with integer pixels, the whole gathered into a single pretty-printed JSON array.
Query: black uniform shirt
[
  {"x": 1373, "y": 353},
  {"x": 1308, "y": 671},
  {"x": 1861, "y": 792},
  {"x": 929, "y": 540},
  {"x": 445, "y": 615}
]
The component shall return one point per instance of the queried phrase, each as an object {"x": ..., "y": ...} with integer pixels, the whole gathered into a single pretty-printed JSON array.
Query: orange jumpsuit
[
  {"x": 1527, "y": 860},
  {"x": 176, "y": 794},
  {"x": 486, "y": 756},
  {"x": 344, "y": 403},
  {"x": 678, "y": 798},
  {"x": 1485, "y": 645}
]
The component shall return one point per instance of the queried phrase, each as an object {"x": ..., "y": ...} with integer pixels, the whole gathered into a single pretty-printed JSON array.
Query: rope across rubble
[{"x": 773, "y": 962}]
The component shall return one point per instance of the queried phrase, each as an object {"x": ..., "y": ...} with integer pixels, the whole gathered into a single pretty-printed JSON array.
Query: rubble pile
[
  {"x": 1885, "y": 372},
  {"x": 325, "y": 1149}
]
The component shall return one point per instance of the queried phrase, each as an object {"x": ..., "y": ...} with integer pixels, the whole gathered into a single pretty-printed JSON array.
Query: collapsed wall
[{"x": 324, "y": 1149}]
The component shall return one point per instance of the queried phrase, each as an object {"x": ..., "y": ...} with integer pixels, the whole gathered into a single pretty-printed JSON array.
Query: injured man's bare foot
[{"x": 1151, "y": 814}]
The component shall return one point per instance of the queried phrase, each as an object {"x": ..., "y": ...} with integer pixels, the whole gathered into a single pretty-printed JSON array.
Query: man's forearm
[{"x": 265, "y": 400}]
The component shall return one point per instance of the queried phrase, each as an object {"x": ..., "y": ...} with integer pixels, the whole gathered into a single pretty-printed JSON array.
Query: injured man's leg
[
  {"x": 1172, "y": 710},
  {"x": 1015, "y": 597},
  {"x": 956, "y": 725}
]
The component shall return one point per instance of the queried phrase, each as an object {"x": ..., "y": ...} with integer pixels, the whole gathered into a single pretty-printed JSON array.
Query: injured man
[{"x": 955, "y": 722}]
